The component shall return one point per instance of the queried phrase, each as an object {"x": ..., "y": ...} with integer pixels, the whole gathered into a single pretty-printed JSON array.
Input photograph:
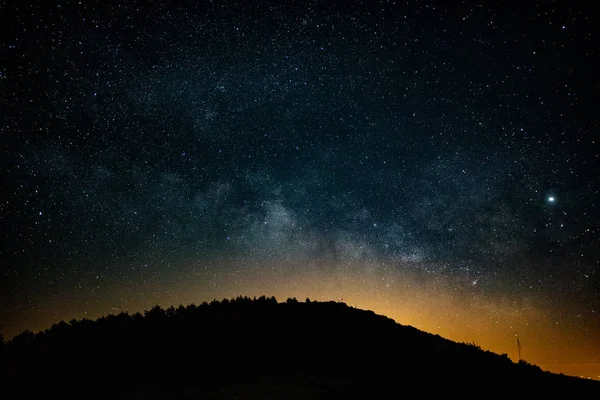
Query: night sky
[{"x": 433, "y": 161}]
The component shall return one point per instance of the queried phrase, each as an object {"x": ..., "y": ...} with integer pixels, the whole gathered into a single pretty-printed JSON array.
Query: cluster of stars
[{"x": 154, "y": 154}]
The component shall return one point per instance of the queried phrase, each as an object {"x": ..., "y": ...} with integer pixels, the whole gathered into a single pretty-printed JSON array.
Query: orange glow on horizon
[{"x": 432, "y": 304}]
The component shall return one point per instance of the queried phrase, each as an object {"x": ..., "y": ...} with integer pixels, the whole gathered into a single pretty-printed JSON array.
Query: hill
[{"x": 256, "y": 349}]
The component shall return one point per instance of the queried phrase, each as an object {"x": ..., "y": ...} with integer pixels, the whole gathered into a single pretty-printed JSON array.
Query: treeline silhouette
[{"x": 258, "y": 348}]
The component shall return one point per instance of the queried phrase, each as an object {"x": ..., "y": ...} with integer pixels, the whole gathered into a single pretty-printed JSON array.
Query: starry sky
[{"x": 432, "y": 161}]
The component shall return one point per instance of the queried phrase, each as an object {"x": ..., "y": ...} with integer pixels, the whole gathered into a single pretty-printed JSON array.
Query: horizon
[
  {"x": 580, "y": 370},
  {"x": 434, "y": 163}
]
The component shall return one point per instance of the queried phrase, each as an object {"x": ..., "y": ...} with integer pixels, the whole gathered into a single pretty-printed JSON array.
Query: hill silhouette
[{"x": 258, "y": 349}]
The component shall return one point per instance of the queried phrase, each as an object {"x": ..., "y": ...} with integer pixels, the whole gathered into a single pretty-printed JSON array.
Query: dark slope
[{"x": 261, "y": 349}]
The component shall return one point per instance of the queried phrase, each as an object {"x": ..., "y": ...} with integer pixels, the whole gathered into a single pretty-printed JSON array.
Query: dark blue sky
[{"x": 155, "y": 153}]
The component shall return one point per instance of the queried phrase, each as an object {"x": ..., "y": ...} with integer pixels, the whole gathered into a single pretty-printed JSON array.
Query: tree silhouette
[
  {"x": 223, "y": 349},
  {"x": 155, "y": 314}
]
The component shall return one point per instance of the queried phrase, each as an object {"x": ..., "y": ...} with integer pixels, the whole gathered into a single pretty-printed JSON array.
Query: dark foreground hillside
[{"x": 261, "y": 349}]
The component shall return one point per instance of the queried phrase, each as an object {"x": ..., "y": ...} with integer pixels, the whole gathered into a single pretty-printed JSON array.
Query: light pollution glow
[{"x": 432, "y": 303}]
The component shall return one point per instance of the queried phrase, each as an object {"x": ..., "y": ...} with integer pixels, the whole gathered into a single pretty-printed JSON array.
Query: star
[{"x": 189, "y": 168}]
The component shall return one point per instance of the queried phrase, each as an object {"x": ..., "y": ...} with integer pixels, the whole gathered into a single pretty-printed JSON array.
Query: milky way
[{"x": 432, "y": 161}]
